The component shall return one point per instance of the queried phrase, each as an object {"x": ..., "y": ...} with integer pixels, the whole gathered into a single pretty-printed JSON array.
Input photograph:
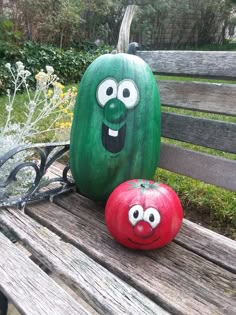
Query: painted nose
[
  {"x": 115, "y": 111},
  {"x": 143, "y": 229}
]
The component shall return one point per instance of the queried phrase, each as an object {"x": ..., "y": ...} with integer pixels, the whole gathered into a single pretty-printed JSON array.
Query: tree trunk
[
  {"x": 61, "y": 38},
  {"x": 1, "y": 6},
  {"x": 123, "y": 41}
]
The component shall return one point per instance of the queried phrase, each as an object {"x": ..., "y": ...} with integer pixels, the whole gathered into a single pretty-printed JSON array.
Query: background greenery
[
  {"x": 69, "y": 34},
  {"x": 157, "y": 24},
  {"x": 69, "y": 64}
]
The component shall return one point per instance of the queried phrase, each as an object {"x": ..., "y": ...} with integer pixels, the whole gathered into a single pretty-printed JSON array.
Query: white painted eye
[
  {"x": 128, "y": 93},
  {"x": 135, "y": 214},
  {"x": 152, "y": 216},
  {"x": 107, "y": 90}
]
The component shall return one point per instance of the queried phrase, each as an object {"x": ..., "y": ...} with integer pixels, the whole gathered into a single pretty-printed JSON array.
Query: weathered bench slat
[
  {"x": 29, "y": 288},
  {"x": 195, "y": 63},
  {"x": 105, "y": 292},
  {"x": 208, "y": 168},
  {"x": 179, "y": 290},
  {"x": 206, "y": 97},
  {"x": 206, "y": 243},
  {"x": 217, "y": 248},
  {"x": 200, "y": 240},
  {"x": 200, "y": 131}
]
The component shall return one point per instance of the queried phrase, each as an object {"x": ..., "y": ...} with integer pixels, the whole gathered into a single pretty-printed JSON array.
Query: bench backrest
[{"x": 215, "y": 98}]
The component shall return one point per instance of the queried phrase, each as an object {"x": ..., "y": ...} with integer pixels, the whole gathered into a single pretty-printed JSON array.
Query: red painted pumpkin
[{"x": 142, "y": 214}]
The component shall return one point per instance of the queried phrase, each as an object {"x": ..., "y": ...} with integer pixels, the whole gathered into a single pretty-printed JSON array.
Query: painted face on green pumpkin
[
  {"x": 115, "y": 132},
  {"x": 116, "y": 99}
]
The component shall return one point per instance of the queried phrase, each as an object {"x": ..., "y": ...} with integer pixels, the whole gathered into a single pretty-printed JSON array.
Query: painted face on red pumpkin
[
  {"x": 144, "y": 224},
  {"x": 142, "y": 214}
]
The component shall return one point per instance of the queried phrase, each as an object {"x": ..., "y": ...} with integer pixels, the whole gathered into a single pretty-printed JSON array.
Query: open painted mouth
[{"x": 113, "y": 140}]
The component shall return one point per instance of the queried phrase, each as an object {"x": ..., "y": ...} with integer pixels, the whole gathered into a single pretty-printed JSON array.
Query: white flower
[
  {"x": 27, "y": 73},
  {"x": 41, "y": 76},
  {"x": 24, "y": 73},
  {"x": 32, "y": 104},
  {"x": 49, "y": 69},
  {"x": 8, "y": 66},
  {"x": 9, "y": 108},
  {"x": 54, "y": 77},
  {"x": 20, "y": 66},
  {"x": 21, "y": 73}
]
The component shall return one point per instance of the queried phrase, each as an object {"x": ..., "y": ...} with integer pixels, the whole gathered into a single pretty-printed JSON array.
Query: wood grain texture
[
  {"x": 29, "y": 288},
  {"x": 221, "y": 64},
  {"x": 105, "y": 292},
  {"x": 198, "y": 287},
  {"x": 207, "y": 168},
  {"x": 200, "y": 131},
  {"x": 207, "y": 97},
  {"x": 213, "y": 246},
  {"x": 206, "y": 243}
]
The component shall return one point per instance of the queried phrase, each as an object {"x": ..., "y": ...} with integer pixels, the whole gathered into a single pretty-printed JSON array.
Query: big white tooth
[{"x": 113, "y": 133}]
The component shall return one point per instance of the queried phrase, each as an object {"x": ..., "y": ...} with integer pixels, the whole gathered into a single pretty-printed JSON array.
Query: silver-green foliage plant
[{"x": 47, "y": 100}]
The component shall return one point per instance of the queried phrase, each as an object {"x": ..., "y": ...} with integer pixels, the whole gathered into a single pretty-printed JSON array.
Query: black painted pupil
[
  {"x": 136, "y": 213},
  {"x": 109, "y": 91},
  {"x": 126, "y": 93},
  {"x": 151, "y": 218}
]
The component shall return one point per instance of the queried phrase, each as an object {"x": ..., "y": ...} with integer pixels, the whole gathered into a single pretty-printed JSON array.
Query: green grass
[
  {"x": 206, "y": 204},
  {"x": 18, "y": 115},
  {"x": 190, "y": 79},
  {"x": 213, "y": 206},
  {"x": 229, "y": 45}
]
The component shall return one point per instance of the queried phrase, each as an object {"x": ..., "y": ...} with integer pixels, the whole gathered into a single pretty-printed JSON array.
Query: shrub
[{"x": 68, "y": 64}]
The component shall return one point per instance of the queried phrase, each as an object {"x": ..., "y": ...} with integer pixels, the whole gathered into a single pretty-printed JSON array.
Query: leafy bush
[{"x": 68, "y": 64}]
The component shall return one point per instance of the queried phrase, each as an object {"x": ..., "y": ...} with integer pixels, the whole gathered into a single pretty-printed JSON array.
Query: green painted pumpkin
[{"x": 116, "y": 126}]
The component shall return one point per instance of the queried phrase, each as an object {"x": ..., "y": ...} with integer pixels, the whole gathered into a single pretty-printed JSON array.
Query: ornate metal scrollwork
[
  {"x": 3, "y": 304},
  {"x": 35, "y": 161}
]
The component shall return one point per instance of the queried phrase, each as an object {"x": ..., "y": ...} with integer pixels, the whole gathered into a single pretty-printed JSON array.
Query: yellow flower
[
  {"x": 62, "y": 125},
  {"x": 61, "y": 107},
  {"x": 62, "y": 95},
  {"x": 50, "y": 92},
  {"x": 57, "y": 124},
  {"x": 59, "y": 85},
  {"x": 70, "y": 115},
  {"x": 65, "y": 111},
  {"x": 68, "y": 124}
]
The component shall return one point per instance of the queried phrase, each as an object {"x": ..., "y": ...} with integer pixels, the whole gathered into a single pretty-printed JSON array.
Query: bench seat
[{"x": 194, "y": 274}]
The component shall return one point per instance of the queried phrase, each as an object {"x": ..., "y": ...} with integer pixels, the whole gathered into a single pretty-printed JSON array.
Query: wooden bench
[{"x": 73, "y": 266}]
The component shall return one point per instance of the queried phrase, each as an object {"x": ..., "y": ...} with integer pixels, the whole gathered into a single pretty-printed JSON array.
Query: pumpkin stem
[{"x": 123, "y": 41}]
